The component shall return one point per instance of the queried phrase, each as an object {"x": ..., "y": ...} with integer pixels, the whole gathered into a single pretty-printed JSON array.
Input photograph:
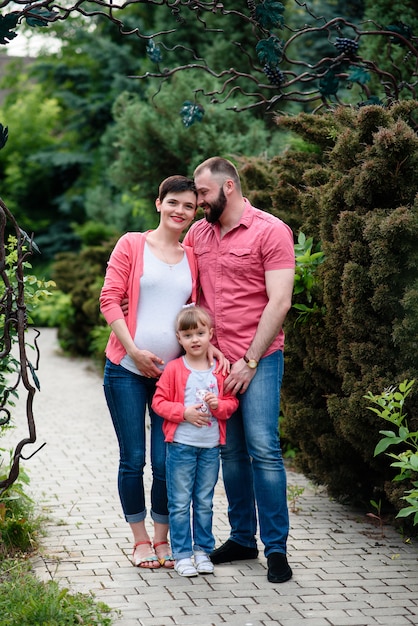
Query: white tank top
[{"x": 163, "y": 291}]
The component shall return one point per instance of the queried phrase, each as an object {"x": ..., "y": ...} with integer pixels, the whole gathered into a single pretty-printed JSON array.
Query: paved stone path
[{"x": 345, "y": 572}]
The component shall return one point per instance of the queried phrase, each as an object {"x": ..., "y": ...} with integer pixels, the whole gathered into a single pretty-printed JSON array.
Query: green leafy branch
[
  {"x": 390, "y": 407},
  {"x": 308, "y": 259}
]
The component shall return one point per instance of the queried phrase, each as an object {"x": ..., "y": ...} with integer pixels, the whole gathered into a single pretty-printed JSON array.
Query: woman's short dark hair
[{"x": 176, "y": 184}]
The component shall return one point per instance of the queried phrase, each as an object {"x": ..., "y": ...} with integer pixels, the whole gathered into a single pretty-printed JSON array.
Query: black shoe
[
  {"x": 278, "y": 568},
  {"x": 232, "y": 551}
]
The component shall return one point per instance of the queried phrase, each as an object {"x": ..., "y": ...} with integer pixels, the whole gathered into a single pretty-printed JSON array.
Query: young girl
[{"x": 190, "y": 397}]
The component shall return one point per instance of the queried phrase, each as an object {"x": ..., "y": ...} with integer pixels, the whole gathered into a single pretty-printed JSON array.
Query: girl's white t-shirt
[{"x": 198, "y": 384}]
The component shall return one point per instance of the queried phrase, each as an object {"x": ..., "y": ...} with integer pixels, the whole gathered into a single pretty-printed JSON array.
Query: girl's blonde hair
[{"x": 191, "y": 316}]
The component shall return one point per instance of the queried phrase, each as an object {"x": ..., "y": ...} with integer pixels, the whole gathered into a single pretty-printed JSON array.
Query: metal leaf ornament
[
  {"x": 6, "y": 23},
  {"x": 29, "y": 240},
  {"x": 329, "y": 84},
  {"x": 401, "y": 29},
  {"x": 34, "y": 376},
  {"x": 39, "y": 16},
  {"x": 191, "y": 113},
  {"x": 358, "y": 75},
  {"x": 153, "y": 52},
  {"x": 270, "y": 51},
  {"x": 269, "y": 14},
  {"x": 4, "y": 135}
]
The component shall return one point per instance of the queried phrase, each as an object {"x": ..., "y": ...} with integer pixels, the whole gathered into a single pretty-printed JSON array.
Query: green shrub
[
  {"x": 80, "y": 276},
  {"x": 54, "y": 312},
  {"x": 357, "y": 197}
]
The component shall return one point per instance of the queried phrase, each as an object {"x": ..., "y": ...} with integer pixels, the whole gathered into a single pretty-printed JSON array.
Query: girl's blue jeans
[
  {"x": 192, "y": 474},
  {"x": 128, "y": 395},
  {"x": 252, "y": 464}
]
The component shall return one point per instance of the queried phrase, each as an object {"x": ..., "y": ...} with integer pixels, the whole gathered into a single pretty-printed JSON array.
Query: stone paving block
[
  {"x": 382, "y": 601},
  {"x": 291, "y": 621},
  {"x": 150, "y": 621},
  {"x": 190, "y": 620},
  {"x": 333, "y": 616},
  {"x": 352, "y": 621},
  {"x": 168, "y": 611},
  {"x": 233, "y": 603},
  {"x": 126, "y": 621},
  {"x": 399, "y": 621},
  {"x": 348, "y": 605},
  {"x": 249, "y": 621},
  {"x": 330, "y": 585}
]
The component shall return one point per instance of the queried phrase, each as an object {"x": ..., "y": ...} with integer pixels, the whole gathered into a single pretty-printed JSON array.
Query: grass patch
[{"x": 26, "y": 601}]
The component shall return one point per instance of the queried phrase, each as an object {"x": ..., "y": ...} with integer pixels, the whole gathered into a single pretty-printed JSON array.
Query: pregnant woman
[{"x": 157, "y": 274}]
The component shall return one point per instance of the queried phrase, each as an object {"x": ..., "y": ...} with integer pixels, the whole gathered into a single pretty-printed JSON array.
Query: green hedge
[{"x": 357, "y": 196}]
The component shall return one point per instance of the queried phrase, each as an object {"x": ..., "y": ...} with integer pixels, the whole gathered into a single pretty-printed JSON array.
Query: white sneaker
[
  {"x": 185, "y": 567},
  {"x": 203, "y": 563}
]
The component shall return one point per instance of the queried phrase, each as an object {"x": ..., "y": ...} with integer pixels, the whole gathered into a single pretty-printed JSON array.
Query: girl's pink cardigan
[{"x": 168, "y": 400}]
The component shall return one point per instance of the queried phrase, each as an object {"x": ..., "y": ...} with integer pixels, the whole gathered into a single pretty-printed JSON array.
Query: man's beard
[{"x": 216, "y": 208}]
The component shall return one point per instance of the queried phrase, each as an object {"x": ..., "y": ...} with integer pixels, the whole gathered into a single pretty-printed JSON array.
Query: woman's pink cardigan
[{"x": 124, "y": 270}]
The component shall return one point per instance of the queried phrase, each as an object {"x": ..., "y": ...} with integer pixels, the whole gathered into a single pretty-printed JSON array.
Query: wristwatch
[{"x": 252, "y": 363}]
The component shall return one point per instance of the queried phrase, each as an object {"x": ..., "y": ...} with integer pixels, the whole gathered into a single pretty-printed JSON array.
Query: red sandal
[
  {"x": 150, "y": 561},
  {"x": 166, "y": 560}
]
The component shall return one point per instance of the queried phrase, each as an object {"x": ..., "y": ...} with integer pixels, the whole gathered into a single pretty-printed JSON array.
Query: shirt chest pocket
[
  {"x": 240, "y": 260},
  {"x": 203, "y": 256}
]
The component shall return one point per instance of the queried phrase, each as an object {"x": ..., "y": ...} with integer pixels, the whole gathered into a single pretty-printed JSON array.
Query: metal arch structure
[
  {"x": 14, "y": 318},
  {"x": 276, "y": 75}
]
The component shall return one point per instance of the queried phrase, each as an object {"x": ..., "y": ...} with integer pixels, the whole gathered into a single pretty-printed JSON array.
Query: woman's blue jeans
[
  {"x": 192, "y": 474},
  {"x": 252, "y": 463},
  {"x": 127, "y": 395}
]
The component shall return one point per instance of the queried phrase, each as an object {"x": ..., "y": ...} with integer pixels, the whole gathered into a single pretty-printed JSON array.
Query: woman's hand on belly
[{"x": 147, "y": 363}]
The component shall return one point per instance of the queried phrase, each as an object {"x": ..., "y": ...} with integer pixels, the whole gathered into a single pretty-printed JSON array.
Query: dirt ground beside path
[{"x": 344, "y": 572}]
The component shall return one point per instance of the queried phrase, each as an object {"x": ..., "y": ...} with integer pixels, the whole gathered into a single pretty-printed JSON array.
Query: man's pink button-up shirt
[{"x": 232, "y": 275}]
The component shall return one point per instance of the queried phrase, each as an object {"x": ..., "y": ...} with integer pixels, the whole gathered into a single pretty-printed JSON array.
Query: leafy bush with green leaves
[
  {"x": 98, "y": 340},
  {"x": 19, "y": 527},
  {"x": 308, "y": 259},
  {"x": 390, "y": 407}
]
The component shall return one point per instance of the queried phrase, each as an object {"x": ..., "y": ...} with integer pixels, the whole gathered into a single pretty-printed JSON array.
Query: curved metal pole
[{"x": 13, "y": 312}]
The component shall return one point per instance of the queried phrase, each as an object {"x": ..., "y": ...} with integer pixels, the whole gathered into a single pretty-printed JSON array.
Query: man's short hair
[{"x": 220, "y": 168}]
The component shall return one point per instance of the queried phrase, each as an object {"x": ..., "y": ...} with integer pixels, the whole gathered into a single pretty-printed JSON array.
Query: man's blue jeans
[
  {"x": 192, "y": 474},
  {"x": 252, "y": 464},
  {"x": 127, "y": 395}
]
